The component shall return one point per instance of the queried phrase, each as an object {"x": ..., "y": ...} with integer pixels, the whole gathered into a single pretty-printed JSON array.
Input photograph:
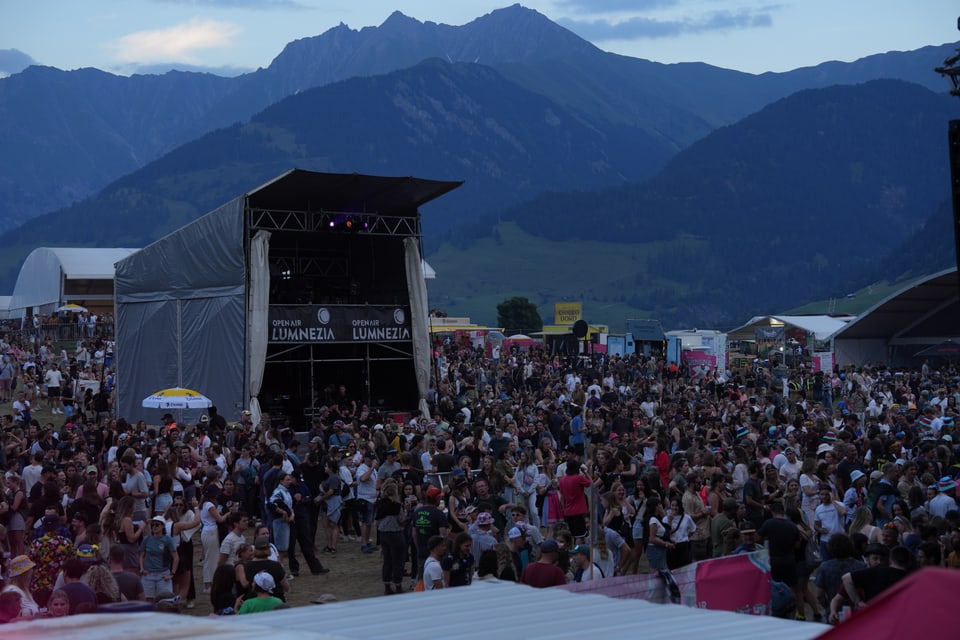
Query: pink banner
[
  {"x": 694, "y": 359},
  {"x": 823, "y": 361},
  {"x": 736, "y": 583}
]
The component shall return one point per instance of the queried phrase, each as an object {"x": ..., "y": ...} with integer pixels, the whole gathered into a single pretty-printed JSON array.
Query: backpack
[
  {"x": 249, "y": 474},
  {"x": 344, "y": 489},
  {"x": 782, "y": 600}
]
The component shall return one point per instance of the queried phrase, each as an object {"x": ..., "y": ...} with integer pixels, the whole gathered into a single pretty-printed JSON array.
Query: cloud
[
  {"x": 13, "y": 61},
  {"x": 638, "y": 28},
  {"x": 615, "y": 6},
  {"x": 178, "y": 43}
]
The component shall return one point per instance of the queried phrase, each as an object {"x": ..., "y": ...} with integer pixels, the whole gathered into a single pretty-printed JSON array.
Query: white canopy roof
[
  {"x": 493, "y": 610},
  {"x": 41, "y": 275},
  {"x": 822, "y": 327}
]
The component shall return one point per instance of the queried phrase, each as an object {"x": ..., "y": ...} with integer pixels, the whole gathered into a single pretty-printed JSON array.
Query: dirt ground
[{"x": 352, "y": 575}]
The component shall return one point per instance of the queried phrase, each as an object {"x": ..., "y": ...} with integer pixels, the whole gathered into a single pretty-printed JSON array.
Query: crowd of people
[{"x": 530, "y": 468}]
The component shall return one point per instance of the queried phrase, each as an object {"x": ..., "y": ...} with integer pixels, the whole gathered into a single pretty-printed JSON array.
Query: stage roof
[
  {"x": 300, "y": 190},
  {"x": 923, "y": 312}
]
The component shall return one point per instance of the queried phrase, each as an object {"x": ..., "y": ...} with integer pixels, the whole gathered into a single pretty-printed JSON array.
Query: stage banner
[
  {"x": 567, "y": 312},
  {"x": 330, "y": 324}
]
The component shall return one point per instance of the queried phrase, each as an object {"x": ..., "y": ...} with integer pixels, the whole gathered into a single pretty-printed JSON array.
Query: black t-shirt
[
  {"x": 274, "y": 568},
  {"x": 753, "y": 489},
  {"x": 875, "y": 580},
  {"x": 460, "y": 568},
  {"x": 782, "y": 535},
  {"x": 427, "y": 522}
]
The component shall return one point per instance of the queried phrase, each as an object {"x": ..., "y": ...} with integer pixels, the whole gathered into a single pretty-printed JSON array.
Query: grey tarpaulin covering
[
  {"x": 181, "y": 305},
  {"x": 419, "y": 321},
  {"x": 258, "y": 311}
]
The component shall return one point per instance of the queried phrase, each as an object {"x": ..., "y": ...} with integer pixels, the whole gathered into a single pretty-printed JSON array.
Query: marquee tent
[
  {"x": 921, "y": 314},
  {"x": 821, "y": 327},
  {"x": 51, "y": 276}
]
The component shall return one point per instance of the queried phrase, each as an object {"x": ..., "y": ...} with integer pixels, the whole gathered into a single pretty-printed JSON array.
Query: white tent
[
  {"x": 483, "y": 610},
  {"x": 40, "y": 283},
  {"x": 822, "y": 327}
]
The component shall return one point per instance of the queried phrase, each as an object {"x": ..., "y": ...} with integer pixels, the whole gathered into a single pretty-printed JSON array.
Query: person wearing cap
[
  {"x": 544, "y": 572},
  {"x": 262, "y": 561},
  {"x": 50, "y": 551},
  {"x": 158, "y": 559},
  {"x": 747, "y": 540},
  {"x": 856, "y": 495},
  {"x": 390, "y": 465},
  {"x": 428, "y": 521},
  {"x": 264, "y": 585},
  {"x": 339, "y": 437},
  {"x": 584, "y": 568}
]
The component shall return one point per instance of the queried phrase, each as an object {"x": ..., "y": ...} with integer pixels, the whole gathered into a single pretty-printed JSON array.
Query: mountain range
[{"x": 718, "y": 186}]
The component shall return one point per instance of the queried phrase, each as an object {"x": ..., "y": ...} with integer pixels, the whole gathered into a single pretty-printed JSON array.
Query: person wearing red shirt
[
  {"x": 573, "y": 496},
  {"x": 544, "y": 572}
]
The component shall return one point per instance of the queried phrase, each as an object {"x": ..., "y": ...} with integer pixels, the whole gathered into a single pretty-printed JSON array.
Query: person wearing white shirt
[{"x": 790, "y": 469}]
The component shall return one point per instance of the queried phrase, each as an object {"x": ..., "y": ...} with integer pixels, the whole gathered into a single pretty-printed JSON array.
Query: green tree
[{"x": 518, "y": 315}]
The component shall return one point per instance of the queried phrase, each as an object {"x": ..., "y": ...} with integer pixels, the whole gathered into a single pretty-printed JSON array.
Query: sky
[{"x": 235, "y": 36}]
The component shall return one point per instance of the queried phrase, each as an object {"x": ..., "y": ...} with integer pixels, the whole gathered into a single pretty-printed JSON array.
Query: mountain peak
[{"x": 399, "y": 20}]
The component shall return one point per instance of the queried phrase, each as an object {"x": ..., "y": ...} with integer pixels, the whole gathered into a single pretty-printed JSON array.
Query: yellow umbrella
[
  {"x": 75, "y": 308},
  {"x": 176, "y": 398}
]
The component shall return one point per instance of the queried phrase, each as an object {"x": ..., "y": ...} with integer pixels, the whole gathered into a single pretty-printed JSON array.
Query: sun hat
[
  {"x": 484, "y": 519},
  {"x": 19, "y": 566},
  {"x": 946, "y": 483},
  {"x": 855, "y": 475}
]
